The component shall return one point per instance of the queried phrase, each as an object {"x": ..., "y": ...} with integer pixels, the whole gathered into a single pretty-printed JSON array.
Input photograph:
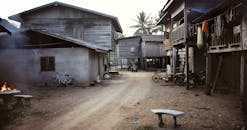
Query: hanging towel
[
  {"x": 205, "y": 26},
  {"x": 218, "y": 27},
  {"x": 199, "y": 37}
]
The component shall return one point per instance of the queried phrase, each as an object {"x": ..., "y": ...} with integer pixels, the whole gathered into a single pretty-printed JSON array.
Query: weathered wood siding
[
  {"x": 96, "y": 66},
  {"x": 72, "y": 23},
  {"x": 244, "y": 31},
  {"x": 129, "y": 48},
  {"x": 153, "y": 49}
]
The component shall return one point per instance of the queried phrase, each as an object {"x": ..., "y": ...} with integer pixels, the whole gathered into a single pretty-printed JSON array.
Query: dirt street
[{"x": 118, "y": 102}]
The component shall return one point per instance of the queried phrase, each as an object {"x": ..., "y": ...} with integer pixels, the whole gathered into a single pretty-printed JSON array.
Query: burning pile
[{"x": 5, "y": 87}]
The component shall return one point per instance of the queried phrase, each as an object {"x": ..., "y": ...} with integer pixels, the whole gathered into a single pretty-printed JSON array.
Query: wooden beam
[
  {"x": 187, "y": 65},
  {"x": 242, "y": 83},
  {"x": 217, "y": 72},
  {"x": 208, "y": 73},
  {"x": 47, "y": 44}
]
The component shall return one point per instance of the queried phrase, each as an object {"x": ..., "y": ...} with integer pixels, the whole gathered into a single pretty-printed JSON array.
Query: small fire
[{"x": 5, "y": 87}]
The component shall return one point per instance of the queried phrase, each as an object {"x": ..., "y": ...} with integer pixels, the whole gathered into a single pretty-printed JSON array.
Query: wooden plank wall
[
  {"x": 125, "y": 46},
  {"x": 72, "y": 23},
  {"x": 153, "y": 49}
]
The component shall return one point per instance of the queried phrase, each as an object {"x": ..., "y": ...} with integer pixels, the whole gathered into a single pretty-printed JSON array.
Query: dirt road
[
  {"x": 102, "y": 110},
  {"x": 95, "y": 108},
  {"x": 116, "y": 103}
]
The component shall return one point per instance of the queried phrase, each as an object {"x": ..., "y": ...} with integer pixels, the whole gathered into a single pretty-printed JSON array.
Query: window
[{"x": 47, "y": 63}]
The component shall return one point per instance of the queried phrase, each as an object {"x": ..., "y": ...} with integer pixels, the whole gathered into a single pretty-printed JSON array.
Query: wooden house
[
  {"x": 129, "y": 51},
  {"x": 145, "y": 50},
  {"x": 227, "y": 48},
  {"x": 71, "y": 21},
  {"x": 34, "y": 57},
  {"x": 153, "y": 51},
  {"x": 58, "y": 37},
  {"x": 180, "y": 34}
]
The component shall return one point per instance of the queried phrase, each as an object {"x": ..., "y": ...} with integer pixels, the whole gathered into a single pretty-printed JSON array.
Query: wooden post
[
  {"x": 242, "y": 83},
  {"x": 220, "y": 62},
  {"x": 145, "y": 63},
  {"x": 174, "y": 59},
  {"x": 208, "y": 73},
  {"x": 186, "y": 46},
  {"x": 187, "y": 65}
]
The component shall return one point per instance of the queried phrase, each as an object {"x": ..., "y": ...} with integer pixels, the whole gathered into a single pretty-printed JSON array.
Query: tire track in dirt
[
  {"x": 102, "y": 111},
  {"x": 112, "y": 113}
]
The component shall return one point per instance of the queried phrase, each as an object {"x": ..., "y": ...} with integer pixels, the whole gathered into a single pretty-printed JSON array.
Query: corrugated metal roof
[
  {"x": 5, "y": 26},
  {"x": 152, "y": 38},
  {"x": 114, "y": 19},
  {"x": 147, "y": 38},
  {"x": 199, "y": 6},
  {"x": 218, "y": 9},
  {"x": 131, "y": 37}
]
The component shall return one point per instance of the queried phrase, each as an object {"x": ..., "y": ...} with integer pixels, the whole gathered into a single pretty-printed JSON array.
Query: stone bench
[
  {"x": 20, "y": 98},
  {"x": 172, "y": 113}
]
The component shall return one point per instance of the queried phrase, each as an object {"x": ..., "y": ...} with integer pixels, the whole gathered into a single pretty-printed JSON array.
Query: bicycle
[
  {"x": 194, "y": 79},
  {"x": 64, "y": 80},
  {"x": 161, "y": 76}
]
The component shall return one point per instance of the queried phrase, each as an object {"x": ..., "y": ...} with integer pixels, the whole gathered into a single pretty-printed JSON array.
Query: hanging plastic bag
[{"x": 199, "y": 37}]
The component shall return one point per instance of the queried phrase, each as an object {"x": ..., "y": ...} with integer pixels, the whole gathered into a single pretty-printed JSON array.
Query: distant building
[{"x": 147, "y": 51}]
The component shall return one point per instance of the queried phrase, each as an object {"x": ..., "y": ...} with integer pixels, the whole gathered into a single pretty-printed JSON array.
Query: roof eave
[
  {"x": 17, "y": 17},
  {"x": 117, "y": 25},
  {"x": 159, "y": 22}
]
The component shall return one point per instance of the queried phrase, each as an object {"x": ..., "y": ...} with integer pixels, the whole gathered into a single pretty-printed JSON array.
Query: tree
[
  {"x": 157, "y": 28},
  {"x": 144, "y": 24},
  {"x": 118, "y": 35}
]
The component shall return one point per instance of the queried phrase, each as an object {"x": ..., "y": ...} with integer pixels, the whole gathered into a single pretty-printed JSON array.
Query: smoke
[
  {"x": 13, "y": 65},
  {"x": 14, "y": 41}
]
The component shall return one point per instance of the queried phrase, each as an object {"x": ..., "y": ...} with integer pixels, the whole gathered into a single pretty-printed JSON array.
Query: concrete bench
[
  {"x": 172, "y": 113},
  {"x": 20, "y": 98}
]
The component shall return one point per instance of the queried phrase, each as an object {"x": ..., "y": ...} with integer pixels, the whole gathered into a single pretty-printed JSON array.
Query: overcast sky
[{"x": 125, "y": 10}]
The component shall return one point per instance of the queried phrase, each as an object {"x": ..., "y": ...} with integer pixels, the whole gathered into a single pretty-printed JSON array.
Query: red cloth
[{"x": 204, "y": 26}]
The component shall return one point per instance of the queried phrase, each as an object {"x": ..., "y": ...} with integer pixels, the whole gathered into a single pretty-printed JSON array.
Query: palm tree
[
  {"x": 157, "y": 28},
  {"x": 144, "y": 24}
]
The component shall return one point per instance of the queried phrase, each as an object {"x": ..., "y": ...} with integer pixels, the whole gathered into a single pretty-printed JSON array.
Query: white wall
[{"x": 23, "y": 65}]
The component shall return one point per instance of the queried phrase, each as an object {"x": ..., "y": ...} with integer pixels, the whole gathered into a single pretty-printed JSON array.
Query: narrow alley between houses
[{"x": 124, "y": 103}]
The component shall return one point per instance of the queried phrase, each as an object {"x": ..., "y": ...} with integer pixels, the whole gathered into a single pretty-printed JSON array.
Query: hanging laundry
[
  {"x": 205, "y": 26},
  {"x": 230, "y": 15},
  {"x": 218, "y": 26},
  {"x": 212, "y": 39},
  {"x": 199, "y": 37}
]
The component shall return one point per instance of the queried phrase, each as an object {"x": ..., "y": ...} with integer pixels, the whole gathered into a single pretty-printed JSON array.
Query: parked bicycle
[
  {"x": 194, "y": 79},
  {"x": 64, "y": 80},
  {"x": 179, "y": 79},
  {"x": 161, "y": 76}
]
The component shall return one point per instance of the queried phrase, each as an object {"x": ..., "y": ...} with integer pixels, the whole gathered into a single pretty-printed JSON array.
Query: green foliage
[
  {"x": 118, "y": 35},
  {"x": 145, "y": 25}
]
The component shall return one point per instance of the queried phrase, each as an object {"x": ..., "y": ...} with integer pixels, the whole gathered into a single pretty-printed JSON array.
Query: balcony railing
[
  {"x": 226, "y": 42},
  {"x": 178, "y": 35}
]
